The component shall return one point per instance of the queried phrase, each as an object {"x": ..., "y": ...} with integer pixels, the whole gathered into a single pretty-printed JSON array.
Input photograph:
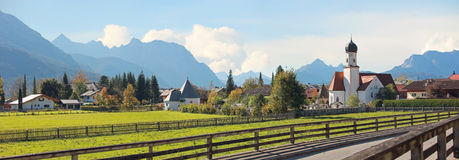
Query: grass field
[
  {"x": 16, "y": 148},
  {"x": 65, "y": 120}
]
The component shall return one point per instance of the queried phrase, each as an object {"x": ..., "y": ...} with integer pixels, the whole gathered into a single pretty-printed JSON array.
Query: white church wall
[{"x": 332, "y": 95}]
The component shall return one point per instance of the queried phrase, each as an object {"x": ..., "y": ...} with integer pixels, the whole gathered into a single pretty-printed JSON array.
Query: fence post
[
  {"x": 425, "y": 118},
  {"x": 441, "y": 143},
  {"x": 159, "y": 126},
  {"x": 417, "y": 151},
  {"x": 257, "y": 140},
  {"x": 355, "y": 127},
  {"x": 197, "y": 122},
  {"x": 232, "y": 122},
  {"x": 74, "y": 156},
  {"x": 27, "y": 135},
  {"x": 292, "y": 135},
  {"x": 136, "y": 127},
  {"x": 438, "y": 116},
  {"x": 327, "y": 131},
  {"x": 178, "y": 124},
  {"x": 412, "y": 123},
  {"x": 209, "y": 147},
  {"x": 376, "y": 124},
  {"x": 150, "y": 150},
  {"x": 456, "y": 140},
  {"x": 87, "y": 132},
  {"x": 395, "y": 121},
  {"x": 113, "y": 132},
  {"x": 449, "y": 114},
  {"x": 57, "y": 132}
]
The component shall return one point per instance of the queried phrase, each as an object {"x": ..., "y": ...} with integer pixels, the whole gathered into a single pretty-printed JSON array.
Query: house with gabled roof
[
  {"x": 35, "y": 102},
  {"x": 90, "y": 95},
  {"x": 352, "y": 82},
  {"x": 186, "y": 95}
]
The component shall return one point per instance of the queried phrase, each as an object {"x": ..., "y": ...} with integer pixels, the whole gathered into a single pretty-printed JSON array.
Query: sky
[{"x": 256, "y": 35}]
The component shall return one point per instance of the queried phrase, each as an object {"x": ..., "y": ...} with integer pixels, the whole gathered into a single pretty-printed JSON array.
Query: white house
[
  {"x": 35, "y": 102},
  {"x": 186, "y": 95},
  {"x": 352, "y": 82},
  {"x": 90, "y": 95}
]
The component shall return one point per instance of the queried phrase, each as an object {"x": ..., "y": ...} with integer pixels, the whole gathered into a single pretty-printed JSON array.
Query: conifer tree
[
  {"x": 155, "y": 94},
  {"x": 230, "y": 83},
  {"x": 24, "y": 86},
  {"x": 2, "y": 92},
  {"x": 20, "y": 100},
  {"x": 34, "y": 89},
  {"x": 66, "y": 90},
  {"x": 148, "y": 89},
  {"x": 260, "y": 80},
  {"x": 140, "y": 87}
]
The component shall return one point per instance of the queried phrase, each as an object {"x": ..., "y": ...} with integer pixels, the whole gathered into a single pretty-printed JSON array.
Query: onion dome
[{"x": 351, "y": 47}]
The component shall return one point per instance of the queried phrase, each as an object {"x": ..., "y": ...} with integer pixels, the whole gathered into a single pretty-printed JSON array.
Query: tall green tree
[
  {"x": 2, "y": 92},
  {"x": 272, "y": 78},
  {"x": 140, "y": 87},
  {"x": 260, "y": 80},
  {"x": 124, "y": 81},
  {"x": 257, "y": 102},
  {"x": 230, "y": 83},
  {"x": 387, "y": 92},
  {"x": 34, "y": 89},
  {"x": 50, "y": 87},
  {"x": 103, "y": 81},
  {"x": 286, "y": 93},
  {"x": 24, "y": 86},
  {"x": 155, "y": 94},
  {"x": 148, "y": 89},
  {"x": 20, "y": 100},
  {"x": 66, "y": 90}
]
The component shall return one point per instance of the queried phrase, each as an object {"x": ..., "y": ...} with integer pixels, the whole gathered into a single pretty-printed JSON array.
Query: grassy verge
[
  {"x": 66, "y": 120},
  {"x": 17, "y": 148}
]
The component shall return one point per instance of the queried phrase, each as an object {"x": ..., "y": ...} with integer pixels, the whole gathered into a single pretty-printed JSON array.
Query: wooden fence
[
  {"x": 249, "y": 138},
  {"x": 413, "y": 142},
  {"x": 36, "y": 113}
]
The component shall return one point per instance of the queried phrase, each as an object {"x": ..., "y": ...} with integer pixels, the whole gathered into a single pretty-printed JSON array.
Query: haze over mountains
[
  {"x": 240, "y": 79},
  {"x": 170, "y": 62}
]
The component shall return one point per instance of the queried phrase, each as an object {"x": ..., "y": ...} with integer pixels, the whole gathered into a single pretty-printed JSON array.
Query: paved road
[{"x": 345, "y": 151}]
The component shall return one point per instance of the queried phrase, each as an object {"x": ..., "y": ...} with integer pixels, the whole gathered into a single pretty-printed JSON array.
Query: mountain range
[{"x": 170, "y": 62}]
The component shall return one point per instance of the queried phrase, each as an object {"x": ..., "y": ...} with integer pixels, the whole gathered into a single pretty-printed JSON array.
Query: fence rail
[
  {"x": 35, "y": 113},
  {"x": 291, "y": 133},
  {"x": 413, "y": 142}
]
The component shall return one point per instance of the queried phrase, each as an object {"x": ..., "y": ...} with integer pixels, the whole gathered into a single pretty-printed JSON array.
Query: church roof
[
  {"x": 187, "y": 91},
  {"x": 351, "y": 47},
  {"x": 337, "y": 83},
  {"x": 454, "y": 77}
]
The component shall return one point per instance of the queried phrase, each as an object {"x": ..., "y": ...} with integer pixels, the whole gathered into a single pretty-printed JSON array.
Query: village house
[
  {"x": 90, "y": 95},
  {"x": 445, "y": 88},
  {"x": 35, "y": 102},
  {"x": 70, "y": 104},
  {"x": 186, "y": 95},
  {"x": 352, "y": 82}
]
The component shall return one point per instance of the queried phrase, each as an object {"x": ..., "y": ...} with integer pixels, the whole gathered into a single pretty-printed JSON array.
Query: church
[{"x": 352, "y": 82}]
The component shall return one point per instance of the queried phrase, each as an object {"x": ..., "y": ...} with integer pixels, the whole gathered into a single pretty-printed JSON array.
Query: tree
[
  {"x": 257, "y": 102},
  {"x": 24, "y": 86},
  {"x": 279, "y": 70},
  {"x": 2, "y": 92},
  {"x": 75, "y": 96},
  {"x": 272, "y": 78},
  {"x": 140, "y": 91},
  {"x": 286, "y": 93},
  {"x": 20, "y": 100},
  {"x": 80, "y": 87},
  {"x": 260, "y": 80},
  {"x": 15, "y": 88},
  {"x": 50, "y": 87},
  {"x": 235, "y": 96},
  {"x": 66, "y": 90},
  {"x": 148, "y": 89},
  {"x": 353, "y": 101},
  {"x": 230, "y": 83},
  {"x": 249, "y": 83},
  {"x": 81, "y": 77},
  {"x": 103, "y": 81},
  {"x": 433, "y": 90},
  {"x": 387, "y": 92},
  {"x": 34, "y": 89},
  {"x": 155, "y": 94},
  {"x": 214, "y": 98},
  {"x": 129, "y": 96}
]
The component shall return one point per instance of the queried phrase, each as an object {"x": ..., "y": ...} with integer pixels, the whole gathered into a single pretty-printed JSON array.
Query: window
[
  {"x": 41, "y": 99},
  {"x": 354, "y": 60},
  {"x": 337, "y": 99},
  {"x": 413, "y": 94},
  {"x": 371, "y": 94},
  {"x": 46, "y": 105},
  {"x": 424, "y": 94},
  {"x": 347, "y": 60}
]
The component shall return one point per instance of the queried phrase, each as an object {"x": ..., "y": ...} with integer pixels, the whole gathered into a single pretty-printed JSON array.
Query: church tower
[{"x": 351, "y": 71}]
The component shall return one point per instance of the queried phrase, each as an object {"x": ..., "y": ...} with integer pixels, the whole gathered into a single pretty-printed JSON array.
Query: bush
[
  {"x": 241, "y": 110},
  {"x": 227, "y": 109},
  {"x": 377, "y": 103},
  {"x": 422, "y": 103},
  {"x": 195, "y": 108},
  {"x": 100, "y": 108}
]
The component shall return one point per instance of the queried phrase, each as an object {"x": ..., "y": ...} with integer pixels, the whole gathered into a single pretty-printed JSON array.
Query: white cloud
[
  {"x": 115, "y": 35},
  {"x": 167, "y": 35},
  {"x": 255, "y": 61},
  {"x": 442, "y": 42},
  {"x": 220, "y": 48}
]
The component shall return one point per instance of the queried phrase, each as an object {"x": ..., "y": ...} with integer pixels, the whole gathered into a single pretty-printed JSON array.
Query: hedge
[{"x": 422, "y": 103}]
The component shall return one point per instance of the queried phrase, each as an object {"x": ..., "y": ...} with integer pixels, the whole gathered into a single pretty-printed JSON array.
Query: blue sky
[{"x": 256, "y": 35}]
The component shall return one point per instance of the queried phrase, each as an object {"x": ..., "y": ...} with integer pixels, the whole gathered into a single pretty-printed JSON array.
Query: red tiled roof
[
  {"x": 454, "y": 77},
  {"x": 400, "y": 87},
  {"x": 365, "y": 80},
  {"x": 337, "y": 82}
]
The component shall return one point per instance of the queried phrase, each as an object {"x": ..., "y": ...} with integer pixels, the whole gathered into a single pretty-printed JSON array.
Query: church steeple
[
  {"x": 351, "y": 71},
  {"x": 351, "y": 50}
]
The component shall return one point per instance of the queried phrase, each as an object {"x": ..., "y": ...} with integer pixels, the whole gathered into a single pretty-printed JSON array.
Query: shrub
[
  {"x": 241, "y": 110},
  {"x": 422, "y": 103},
  {"x": 227, "y": 109},
  {"x": 377, "y": 103}
]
